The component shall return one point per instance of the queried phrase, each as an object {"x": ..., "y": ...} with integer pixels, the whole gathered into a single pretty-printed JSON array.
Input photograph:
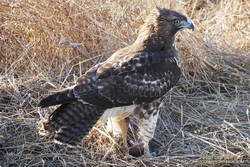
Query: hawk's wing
[
  {"x": 123, "y": 79},
  {"x": 132, "y": 78}
]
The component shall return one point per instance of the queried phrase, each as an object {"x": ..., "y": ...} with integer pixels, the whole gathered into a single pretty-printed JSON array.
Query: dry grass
[{"x": 46, "y": 45}]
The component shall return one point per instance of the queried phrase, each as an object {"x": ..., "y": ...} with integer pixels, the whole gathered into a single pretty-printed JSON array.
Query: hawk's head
[
  {"x": 169, "y": 21},
  {"x": 160, "y": 28}
]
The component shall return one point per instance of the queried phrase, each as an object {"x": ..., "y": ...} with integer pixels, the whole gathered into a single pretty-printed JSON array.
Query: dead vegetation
[{"x": 46, "y": 45}]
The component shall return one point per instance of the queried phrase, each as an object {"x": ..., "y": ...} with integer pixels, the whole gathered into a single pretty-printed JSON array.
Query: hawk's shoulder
[{"x": 131, "y": 62}]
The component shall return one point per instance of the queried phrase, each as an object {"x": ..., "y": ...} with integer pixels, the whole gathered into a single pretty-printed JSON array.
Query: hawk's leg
[
  {"x": 143, "y": 124},
  {"x": 118, "y": 126}
]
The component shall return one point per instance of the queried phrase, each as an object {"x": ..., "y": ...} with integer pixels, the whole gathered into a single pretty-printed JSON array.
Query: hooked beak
[{"x": 186, "y": 24}]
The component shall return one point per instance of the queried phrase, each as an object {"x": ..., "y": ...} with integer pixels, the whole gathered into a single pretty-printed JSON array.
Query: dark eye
[{"x": 176, "y": 21}]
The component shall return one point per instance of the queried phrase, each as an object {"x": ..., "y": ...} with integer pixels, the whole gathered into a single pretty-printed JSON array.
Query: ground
[{"x": 47, "y": 45}]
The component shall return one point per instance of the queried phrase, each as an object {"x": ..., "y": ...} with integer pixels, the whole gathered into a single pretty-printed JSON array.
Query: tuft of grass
[{"x": 47, "y": 45}]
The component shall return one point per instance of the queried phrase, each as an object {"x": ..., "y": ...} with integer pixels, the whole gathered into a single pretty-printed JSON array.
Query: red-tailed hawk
[{"x": 135, "y": 76}]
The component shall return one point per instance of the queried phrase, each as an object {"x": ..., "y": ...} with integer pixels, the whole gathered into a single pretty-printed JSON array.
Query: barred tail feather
[
  {"x": 71, "y": 122},
  {"x": 62, "y": 97}
]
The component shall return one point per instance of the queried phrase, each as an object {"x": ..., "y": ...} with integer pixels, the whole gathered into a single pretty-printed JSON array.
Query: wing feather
[{"x": 128, "y": 79}]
